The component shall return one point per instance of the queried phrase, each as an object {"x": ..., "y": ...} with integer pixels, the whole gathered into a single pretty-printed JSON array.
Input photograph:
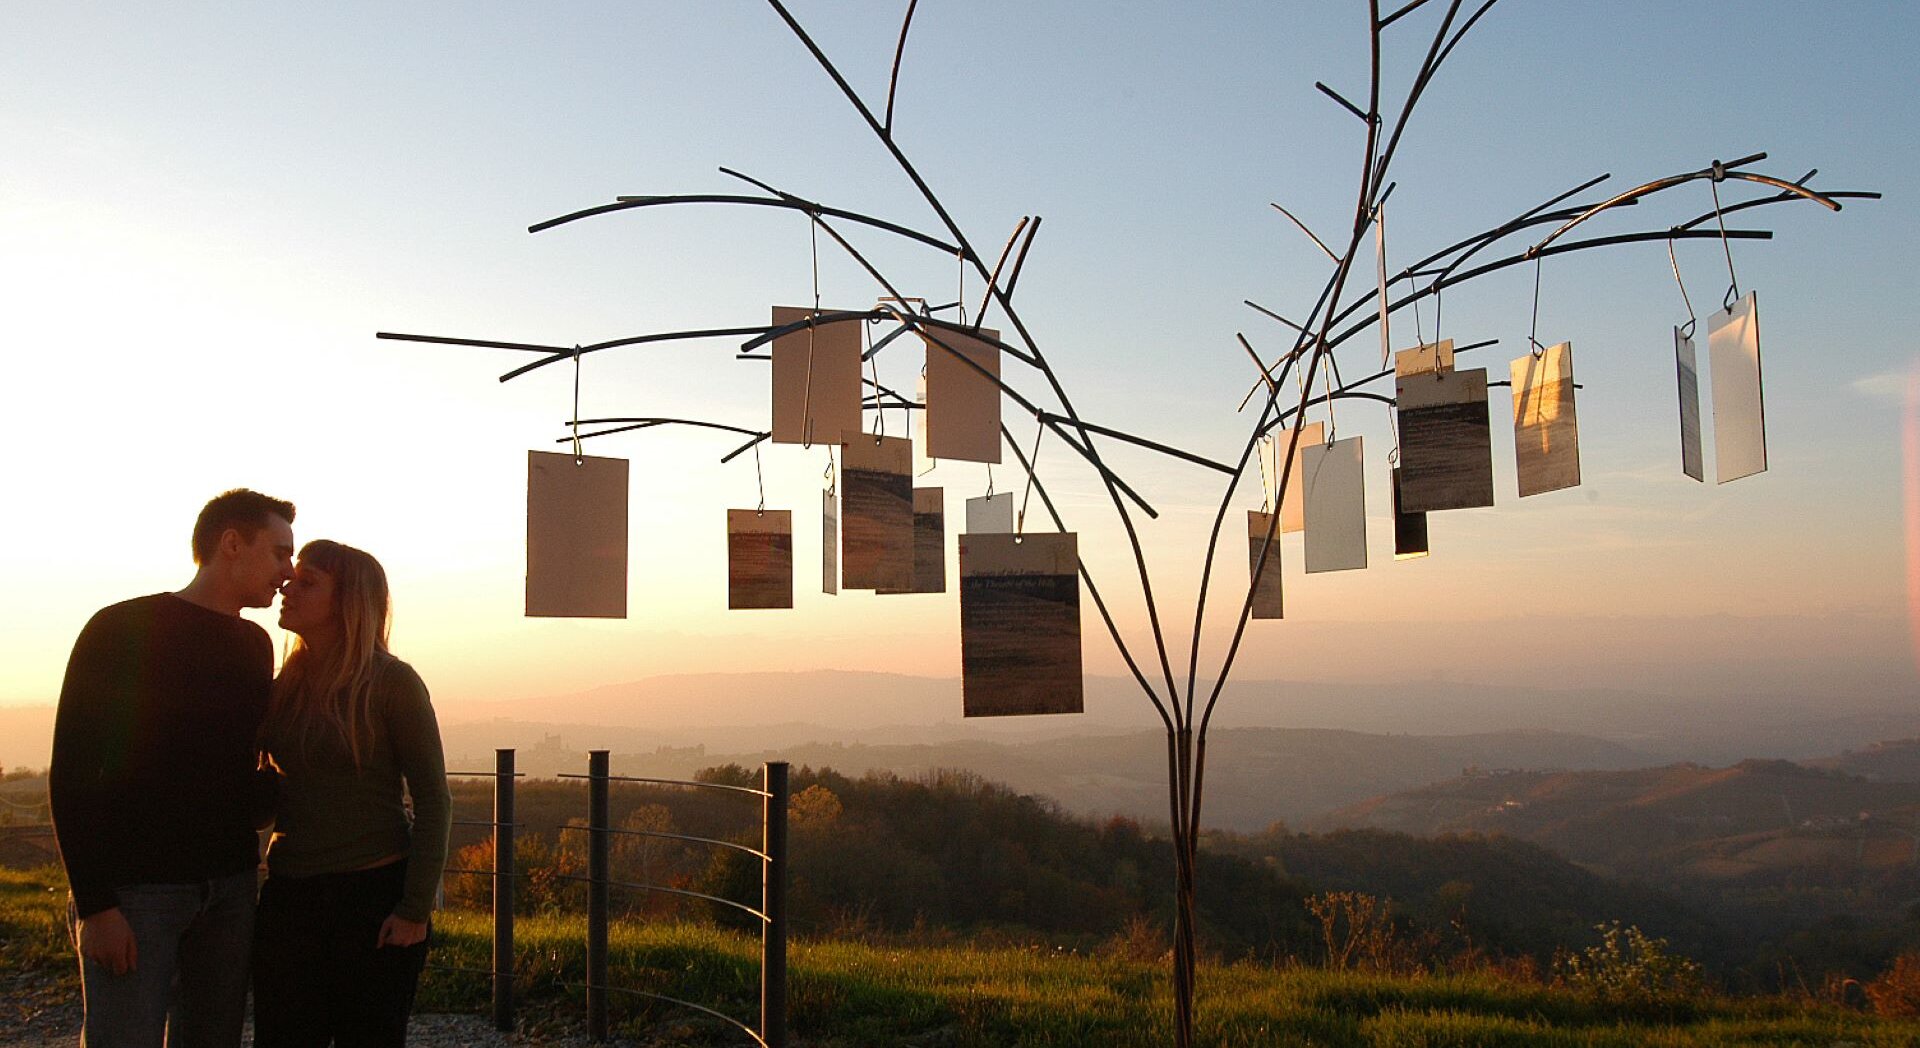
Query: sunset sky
[{"x": 207, "y": 210}]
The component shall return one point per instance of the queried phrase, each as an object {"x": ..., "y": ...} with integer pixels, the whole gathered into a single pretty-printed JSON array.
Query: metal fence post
[
  {"x": 597, "y": 874},
  {"x": 773, "y": 903},
  {"x": 503, "y": 889}
]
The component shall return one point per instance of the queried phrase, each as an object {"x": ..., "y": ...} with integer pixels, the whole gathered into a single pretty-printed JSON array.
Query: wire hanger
[
  {"x": 1033, "y": 463},
  {"x": 578, "y": 458},
  {"x": 1726, "y": 245},
  {"x": 1673, "y": 259}
]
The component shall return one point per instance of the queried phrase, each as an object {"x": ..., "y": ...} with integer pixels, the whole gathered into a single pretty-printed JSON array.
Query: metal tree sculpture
[{"x": 1335, "y": 317}]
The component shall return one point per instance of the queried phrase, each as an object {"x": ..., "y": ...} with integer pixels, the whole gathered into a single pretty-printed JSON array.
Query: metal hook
[
  {"x": 1538, "y": 350},
  {"x": 578, "y": 458},
  {"x": 1033, "y": 463},
  {"x": 761, "y": 481},
  {"x": 806, "y": 396},
  {"x": 879, "y": 411},
  {"x": 830, "y": 474},
  {"x": 1733, "y": 279},
  {"x": 1380, "y": 280},
  {"x": 1674, "y": 260},
  {"x": 1266, "y": 501}
]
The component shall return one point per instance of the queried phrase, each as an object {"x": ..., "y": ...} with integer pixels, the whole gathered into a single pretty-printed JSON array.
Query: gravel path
[{"x": 60, "y": 1028}]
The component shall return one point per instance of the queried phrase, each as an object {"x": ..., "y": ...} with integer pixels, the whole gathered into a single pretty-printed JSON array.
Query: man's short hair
[{"x": 241, "y": 509}]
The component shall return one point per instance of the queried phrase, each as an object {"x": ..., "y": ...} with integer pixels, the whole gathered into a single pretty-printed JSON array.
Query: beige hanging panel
[
  {"x": 816, "y": 379},
  {"x": 576, "y": 536},
  {"x": 963, "y": 404}
]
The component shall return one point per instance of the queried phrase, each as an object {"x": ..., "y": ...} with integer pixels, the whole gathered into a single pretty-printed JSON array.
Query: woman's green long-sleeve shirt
[{"x": 332, "y": 817}]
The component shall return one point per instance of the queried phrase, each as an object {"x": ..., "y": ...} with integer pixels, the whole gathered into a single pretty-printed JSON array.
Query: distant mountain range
[
  {"x": 1757, "y": 824},
  {"x": 1255, "y": 776},
  {"x": 741, "y": 711}
]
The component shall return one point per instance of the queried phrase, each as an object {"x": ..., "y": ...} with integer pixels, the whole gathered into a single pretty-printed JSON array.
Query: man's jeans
[{"x": 188, "y": 987}]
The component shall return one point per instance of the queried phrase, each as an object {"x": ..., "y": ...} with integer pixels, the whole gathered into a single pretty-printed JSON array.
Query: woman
[{"x": 341, "y": 934}]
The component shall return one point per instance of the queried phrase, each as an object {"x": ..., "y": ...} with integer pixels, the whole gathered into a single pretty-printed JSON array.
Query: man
[{"x": 152, "y": 787}]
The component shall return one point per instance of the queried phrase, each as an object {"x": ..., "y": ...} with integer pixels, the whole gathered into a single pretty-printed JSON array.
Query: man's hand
[
  {"x": 107, "y": 939},
  {"x": 398, "y": 931}
]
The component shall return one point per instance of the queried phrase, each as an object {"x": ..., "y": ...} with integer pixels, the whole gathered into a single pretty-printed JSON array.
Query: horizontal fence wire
[
  {"x": 485, "y": 873},
  {"x": 672, "y": 782},
  {"x": 762, "y": 856},
  {"x": 742, "y": 907},
  {"x": 456, "y": 968},
  {"x": 722, "y": 1016},
  {"x": 488, "y": 822},
  {"x": 484, "y": 775}
]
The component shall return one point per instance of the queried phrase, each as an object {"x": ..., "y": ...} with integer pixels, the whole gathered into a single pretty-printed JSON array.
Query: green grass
[{"x": 847, "y": 994}]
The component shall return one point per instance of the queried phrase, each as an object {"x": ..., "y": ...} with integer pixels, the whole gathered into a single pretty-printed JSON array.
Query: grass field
[{"x": 848, "y": 994}]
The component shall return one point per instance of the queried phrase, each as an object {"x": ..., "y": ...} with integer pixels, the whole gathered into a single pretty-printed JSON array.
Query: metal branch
[
  {"x": 1377, "y": 167},
  {"x": 482, "y": 343},
  {"x": 1407, "y": 10},
  {"x": 568, "y": 353},
  {"x": 1557, "y": 249},
  {"x": 1517, "y": 222},
  {"x": 627, "y": 203},
  {"x": 1152, "y": 445},
  {"x": 1276, "y": 316},
  {"x": 1348, "y": 106},
  {"x": 1716, "y": 172},
  {"x": 993, "y": 281},
  {"x": 1021, "y": 259},
  {"x": 899, "y": 49},
  {"x": 1321, "y": 244}
]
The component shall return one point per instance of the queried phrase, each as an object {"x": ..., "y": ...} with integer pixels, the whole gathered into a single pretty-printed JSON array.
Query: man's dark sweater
[{"x": 153, "y": 747}]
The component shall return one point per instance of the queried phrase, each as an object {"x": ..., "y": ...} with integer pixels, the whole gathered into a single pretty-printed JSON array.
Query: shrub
[
  {"x": 1897, "y": 990},
  {"x": 1631, "y": 969}
]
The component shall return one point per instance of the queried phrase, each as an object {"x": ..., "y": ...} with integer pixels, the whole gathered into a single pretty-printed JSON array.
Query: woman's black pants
[{"x": 318, "y": 978}]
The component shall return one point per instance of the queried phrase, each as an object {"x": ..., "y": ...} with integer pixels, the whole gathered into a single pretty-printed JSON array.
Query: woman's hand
[{"x": 398, "y": 931}]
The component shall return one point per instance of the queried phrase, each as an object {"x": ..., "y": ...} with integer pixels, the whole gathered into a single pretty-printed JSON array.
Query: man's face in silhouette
[{"x": 257, "y": 567}]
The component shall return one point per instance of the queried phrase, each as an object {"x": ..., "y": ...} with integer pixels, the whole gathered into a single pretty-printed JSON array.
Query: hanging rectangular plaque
[
  {"x": 1291, "y": 517},
  {"x": 816, "y": 379},
  {"x": 1267, "y": 602},
  {"x": 929, "y": 542},
  {"x": 829, "y": 543},
  {"x": 1020, "y": 625},
  {"x": 1446, "y": 445},
  {"x": 1687, "y": 366},
  {"x": 1409, "y": 529},
  {"x": 990, "y": 514},
  {"x": 1335, "y": 494},
  {"x": 759, "y": 558},
  {"x": 1546, "y": 435},
  {"x": 576, "y": 536},
  {"x": 1739, "y": 408},
  {"x": 876, "y": 513},
  {"x": 1424, "y": 360},
  {"x": 963, "y": 405}
]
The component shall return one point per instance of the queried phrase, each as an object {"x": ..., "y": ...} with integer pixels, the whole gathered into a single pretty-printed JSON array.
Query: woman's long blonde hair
[{"x": 330, "y": 692}]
